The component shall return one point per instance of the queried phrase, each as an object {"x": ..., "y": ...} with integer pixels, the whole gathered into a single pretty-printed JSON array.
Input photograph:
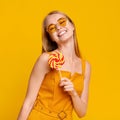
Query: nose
[{"x": 58, "y": 26}]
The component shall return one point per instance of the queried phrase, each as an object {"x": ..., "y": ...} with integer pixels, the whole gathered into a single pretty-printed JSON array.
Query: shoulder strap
[{"x": 83, "y": 67}]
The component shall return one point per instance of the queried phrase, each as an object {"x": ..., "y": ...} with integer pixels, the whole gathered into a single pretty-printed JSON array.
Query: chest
[
  {"x": 73, "y": 67},
  {"x": 52, "y": 81}
]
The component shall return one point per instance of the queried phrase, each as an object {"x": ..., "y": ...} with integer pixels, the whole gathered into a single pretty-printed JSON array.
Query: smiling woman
[{"x": 49, "y": 96}]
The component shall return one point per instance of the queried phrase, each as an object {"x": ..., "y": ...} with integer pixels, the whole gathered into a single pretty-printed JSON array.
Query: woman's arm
[
  {"x": 37, "y": 75},
  {"x": 79, "y": 103}
]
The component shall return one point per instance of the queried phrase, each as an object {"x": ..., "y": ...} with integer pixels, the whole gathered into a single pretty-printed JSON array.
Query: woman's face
[{"x": 59, "y": 28}]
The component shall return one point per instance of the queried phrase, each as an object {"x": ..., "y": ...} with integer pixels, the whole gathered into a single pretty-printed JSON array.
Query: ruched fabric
[{"x": 52, "y": 102}]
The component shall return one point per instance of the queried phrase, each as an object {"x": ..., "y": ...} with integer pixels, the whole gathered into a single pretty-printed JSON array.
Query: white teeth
[{"x": 61, "y": 33}]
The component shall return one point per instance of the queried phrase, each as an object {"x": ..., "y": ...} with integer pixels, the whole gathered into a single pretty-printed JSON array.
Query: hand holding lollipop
[{"x": 56, "y": 60}]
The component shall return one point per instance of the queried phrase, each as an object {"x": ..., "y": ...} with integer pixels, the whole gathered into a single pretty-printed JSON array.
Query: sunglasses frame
[{"x": 58, "y": 22}]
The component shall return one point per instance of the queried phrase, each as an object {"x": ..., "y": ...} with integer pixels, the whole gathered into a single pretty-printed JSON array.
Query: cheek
[
  {"x": 70, "y": 26},
  {"x": 54, "y": 36},
  {"x": 70, "y": 30}
]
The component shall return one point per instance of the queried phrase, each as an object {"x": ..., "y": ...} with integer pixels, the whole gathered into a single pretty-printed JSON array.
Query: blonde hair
[{"x": 49, "y": 45}]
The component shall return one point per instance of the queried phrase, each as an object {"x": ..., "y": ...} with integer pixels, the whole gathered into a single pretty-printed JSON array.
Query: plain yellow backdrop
[{"x": 98, "y": 28}]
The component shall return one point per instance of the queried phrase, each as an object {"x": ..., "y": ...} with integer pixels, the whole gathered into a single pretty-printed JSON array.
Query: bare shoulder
[
  {"x": 88, "y": 65},
  {"x": 87, "y": 69},
  {"x": 43, "y": 57},
  {"x": 42, "y": 62}
]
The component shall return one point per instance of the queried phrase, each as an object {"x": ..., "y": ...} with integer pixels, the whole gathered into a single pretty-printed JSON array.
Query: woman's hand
[{"x": 68, "y": 86}]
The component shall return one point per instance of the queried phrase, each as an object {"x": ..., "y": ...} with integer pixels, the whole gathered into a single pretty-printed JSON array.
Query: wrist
[{"x": 74, "y": 94}]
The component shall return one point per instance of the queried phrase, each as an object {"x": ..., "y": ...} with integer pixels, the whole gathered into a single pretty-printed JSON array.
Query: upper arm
[
  {"x": 84, "y": 95},
  {"x": 38, "y": 72}
]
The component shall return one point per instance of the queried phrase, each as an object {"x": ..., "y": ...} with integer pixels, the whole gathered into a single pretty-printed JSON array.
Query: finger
[
  {"x": 69, "y": 86},
  {"x": 64, "y": 79},
  {"x": 63, "y": 83},
  {"x": 68, "y": 89}
]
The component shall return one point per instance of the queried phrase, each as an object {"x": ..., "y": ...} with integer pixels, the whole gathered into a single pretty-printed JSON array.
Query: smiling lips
[{"x": 61, "y": 33}]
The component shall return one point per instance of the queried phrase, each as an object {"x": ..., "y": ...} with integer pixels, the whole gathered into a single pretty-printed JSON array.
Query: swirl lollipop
[{"x": 56, "y": 60}]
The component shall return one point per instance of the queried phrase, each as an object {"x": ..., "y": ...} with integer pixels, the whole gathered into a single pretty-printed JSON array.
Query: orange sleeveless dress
[{"x": 52, "y": 103}]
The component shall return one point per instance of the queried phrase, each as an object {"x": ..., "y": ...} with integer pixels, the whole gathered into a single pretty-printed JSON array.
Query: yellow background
[{"x": 98, "y": 29}]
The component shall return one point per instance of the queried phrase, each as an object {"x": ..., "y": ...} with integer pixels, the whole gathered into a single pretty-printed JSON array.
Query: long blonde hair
[{"x": 49, "y": 45}]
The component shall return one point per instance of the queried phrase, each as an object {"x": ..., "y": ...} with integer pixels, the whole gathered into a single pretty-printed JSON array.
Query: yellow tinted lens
[
  {"x": 62, "y": 21},
  {"x": 51, "y": 28}
]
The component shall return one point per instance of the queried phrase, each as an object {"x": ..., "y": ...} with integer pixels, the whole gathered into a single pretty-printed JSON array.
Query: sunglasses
[{"x": 61, "y": 22}]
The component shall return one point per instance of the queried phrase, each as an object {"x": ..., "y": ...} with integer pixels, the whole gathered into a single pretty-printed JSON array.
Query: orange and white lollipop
[{"x": 56, "y": 60}]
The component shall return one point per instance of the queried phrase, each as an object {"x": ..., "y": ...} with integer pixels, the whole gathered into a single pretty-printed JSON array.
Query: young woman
[{"x": 50, "y": 97}]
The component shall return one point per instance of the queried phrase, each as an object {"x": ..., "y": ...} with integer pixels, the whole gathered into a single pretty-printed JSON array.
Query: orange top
[{"x": 52, "y": 98}]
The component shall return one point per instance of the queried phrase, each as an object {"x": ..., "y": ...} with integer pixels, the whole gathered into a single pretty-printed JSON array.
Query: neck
[{"x": 68, "y": 49}]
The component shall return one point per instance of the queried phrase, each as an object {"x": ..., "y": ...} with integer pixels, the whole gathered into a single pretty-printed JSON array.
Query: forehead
[{"x": 53, "y": 18}]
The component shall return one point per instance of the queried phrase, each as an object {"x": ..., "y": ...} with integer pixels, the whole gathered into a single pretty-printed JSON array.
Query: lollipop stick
[{"x": 60, "y": 74}]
